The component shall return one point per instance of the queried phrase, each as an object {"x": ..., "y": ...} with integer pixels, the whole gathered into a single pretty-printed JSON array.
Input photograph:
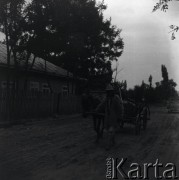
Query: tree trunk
[{"x": 8, "y": 72}]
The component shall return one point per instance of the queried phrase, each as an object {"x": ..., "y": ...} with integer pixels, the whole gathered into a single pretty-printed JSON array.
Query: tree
[
  {"x": 125, "y": 85},
  {"x": 150, "y": 81},
  {"x": 13, "y": 20},
  {"x": 11, "y": 17},
  {"x": 71, "y": 34},
  {"x": 164, "y": 73},
  {"x": 74, "y": 35},
  {"x": 163, "y": 6},
  {"x": 116, "y": 71},
  {"x": 167, "y": 85},
  {"x": 10, "y": 24}
]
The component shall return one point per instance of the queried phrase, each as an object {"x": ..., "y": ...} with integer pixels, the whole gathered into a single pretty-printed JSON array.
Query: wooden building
[{"x": 36, "y": 75}]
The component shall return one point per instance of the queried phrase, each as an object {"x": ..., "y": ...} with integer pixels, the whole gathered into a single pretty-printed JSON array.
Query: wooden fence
[
  {"x": 68, "y": 104},
  {"x": 18, "y": 105}
]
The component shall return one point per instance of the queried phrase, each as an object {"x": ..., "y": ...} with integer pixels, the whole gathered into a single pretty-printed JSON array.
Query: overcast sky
[{"x": 147, "y": 41}]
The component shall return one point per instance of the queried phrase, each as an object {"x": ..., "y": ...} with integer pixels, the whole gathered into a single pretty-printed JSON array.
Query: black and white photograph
[{"x": 89, "y": 89}]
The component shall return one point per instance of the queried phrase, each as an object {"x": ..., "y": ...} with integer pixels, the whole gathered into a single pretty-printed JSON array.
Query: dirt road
[{"x": 65, "y": 149}]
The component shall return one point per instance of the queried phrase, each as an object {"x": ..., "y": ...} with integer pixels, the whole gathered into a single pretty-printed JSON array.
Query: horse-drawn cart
[{"x": 135, "y": 114}]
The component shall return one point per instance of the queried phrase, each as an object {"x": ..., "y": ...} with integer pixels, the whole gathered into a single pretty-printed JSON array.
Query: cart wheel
[
  {"x": 138, "y": 125},
  {"x": 144, "y": 122},
  {"x": 144, "y": 116},
  {"x": 121, "y": 124},
  {"x": 137, "y": 130}
]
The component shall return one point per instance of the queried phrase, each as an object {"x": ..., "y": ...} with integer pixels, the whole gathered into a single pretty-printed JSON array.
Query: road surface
[{"x": 65, "y": 149}]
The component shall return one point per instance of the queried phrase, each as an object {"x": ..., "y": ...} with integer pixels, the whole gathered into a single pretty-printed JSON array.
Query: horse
[{"x": 89, "y": 104}]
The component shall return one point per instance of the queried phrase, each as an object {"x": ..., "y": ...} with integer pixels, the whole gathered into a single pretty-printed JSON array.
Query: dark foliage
[
  {"x": 71, "y": 34},
  {"x": 163, "y": 6},
  {"x": 74, "y": 35},
  {"x": 164, "y": 90}
]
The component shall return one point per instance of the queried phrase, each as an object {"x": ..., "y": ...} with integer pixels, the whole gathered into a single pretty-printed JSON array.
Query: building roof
[{"x": 39, "y": 64}]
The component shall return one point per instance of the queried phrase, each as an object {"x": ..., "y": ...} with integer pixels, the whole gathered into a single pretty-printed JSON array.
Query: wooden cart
[{"x": 135, "y": 114}]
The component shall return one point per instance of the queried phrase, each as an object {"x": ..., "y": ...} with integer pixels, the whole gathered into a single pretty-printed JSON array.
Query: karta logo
[{"x": 115, "y": 170}]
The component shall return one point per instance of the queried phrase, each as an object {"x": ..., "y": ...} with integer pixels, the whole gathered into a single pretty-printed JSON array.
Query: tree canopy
[
  {"x": 163, "y": 6},
  {"x": 71, "y": 34}
]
